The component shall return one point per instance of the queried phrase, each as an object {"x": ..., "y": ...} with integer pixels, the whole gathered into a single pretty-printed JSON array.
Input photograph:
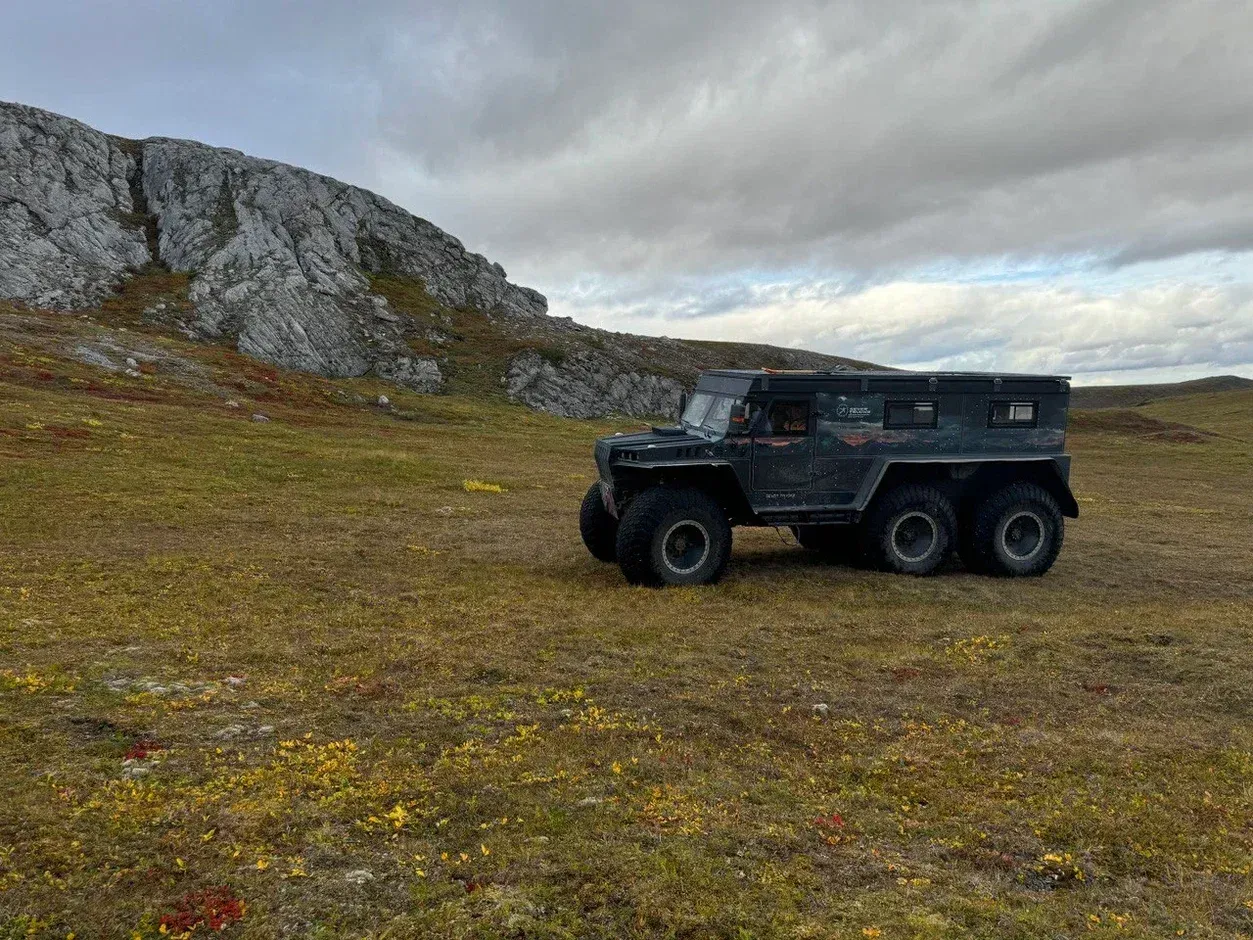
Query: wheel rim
[
  {"x": 685, "y": 546},
  {"x": 914, "y": 536},
  {"x": 1022, "y": 536}
]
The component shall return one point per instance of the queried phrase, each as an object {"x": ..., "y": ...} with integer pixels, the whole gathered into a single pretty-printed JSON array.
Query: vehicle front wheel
[
  {"x": 1017, "y": 531},
  {"x": 673, "y": 536},
  {"x": 909, "y": 530},
  {"x": 598, "y": 528}
]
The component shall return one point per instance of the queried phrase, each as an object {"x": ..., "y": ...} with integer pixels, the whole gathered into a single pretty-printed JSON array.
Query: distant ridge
[{"x": 1131, "y": 396}]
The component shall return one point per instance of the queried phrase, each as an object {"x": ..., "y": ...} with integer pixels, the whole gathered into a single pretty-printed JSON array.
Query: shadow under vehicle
[{"x": 892, "y": 470}]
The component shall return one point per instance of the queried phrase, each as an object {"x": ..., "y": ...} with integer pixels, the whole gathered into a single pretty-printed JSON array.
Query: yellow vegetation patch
[
  {"x": 33, "y": 682},
  {"x": 478, "y": 486}
]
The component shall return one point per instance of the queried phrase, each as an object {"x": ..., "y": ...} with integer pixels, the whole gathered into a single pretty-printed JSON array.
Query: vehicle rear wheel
[
  {"x": 909, "y": 530},
  {"x": 673, "y": 536},
  {"x": 1017, "y": 531},
  {"x": 598, "y": 528}
]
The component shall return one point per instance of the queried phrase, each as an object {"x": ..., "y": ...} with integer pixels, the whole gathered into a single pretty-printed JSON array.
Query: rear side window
[
  {"x": 1013, "y": 414},
  {"x": 910, "y": 414}
]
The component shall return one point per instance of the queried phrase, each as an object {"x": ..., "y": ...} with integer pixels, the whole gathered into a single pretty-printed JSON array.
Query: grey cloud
[
  {"x": 862, "y": 137},
  {"x": 691, "y": 166},
  {"x": 703, "y": 136}
]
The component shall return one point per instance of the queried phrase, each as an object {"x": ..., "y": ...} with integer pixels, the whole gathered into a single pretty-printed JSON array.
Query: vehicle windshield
[{"x": 708, "y": 414}]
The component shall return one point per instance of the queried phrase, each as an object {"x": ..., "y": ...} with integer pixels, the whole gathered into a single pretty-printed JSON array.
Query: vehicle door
[{"x": 783, "y": 451}]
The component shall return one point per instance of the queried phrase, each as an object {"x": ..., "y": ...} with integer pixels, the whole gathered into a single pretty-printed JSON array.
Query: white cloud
[{"x": 1181, "y": 330}]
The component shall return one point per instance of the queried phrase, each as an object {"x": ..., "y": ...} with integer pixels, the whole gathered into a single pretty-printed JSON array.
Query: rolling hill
[{"x": 1132, "y": 396}]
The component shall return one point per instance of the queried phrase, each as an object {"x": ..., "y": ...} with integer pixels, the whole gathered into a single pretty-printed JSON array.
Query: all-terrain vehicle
[{"x": 893, "y": 470}]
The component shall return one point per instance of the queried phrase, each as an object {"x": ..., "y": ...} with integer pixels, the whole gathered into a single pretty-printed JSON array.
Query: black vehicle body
[
  {"x": 850, "y": 438},
  {"x": 831, "y": 473}
]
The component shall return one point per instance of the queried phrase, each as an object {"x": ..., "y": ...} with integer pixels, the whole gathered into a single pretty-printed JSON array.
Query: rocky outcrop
[
  {"x": 588, "y": 384},
  {"x": 280, "y": 256},
  {"x": 68, "y": 232},
  {"x": 291, "y": 267}
]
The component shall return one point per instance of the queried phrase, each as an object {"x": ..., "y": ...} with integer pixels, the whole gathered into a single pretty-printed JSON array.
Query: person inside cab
[{"x": 786, "y": 419}]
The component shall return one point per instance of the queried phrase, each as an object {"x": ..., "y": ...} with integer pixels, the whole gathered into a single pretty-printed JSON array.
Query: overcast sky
[{"x": 1020, "y": 186}]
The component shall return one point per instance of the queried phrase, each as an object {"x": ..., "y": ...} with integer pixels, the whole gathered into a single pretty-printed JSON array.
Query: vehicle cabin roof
[{"x": 741, "y": 381}]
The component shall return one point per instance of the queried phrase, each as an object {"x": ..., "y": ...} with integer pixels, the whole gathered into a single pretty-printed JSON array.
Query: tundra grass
[{"x": 350, "y": 673}]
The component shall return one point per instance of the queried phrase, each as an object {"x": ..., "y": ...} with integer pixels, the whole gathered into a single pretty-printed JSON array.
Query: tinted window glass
[
  {"x": 1013, "y": 414},
  {"x": 909, "y": 414}
]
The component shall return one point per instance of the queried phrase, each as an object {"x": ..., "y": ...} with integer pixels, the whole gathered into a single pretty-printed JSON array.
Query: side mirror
[
  {"x": 741, "y": 418},
  {"x": 682, "y": 403}
]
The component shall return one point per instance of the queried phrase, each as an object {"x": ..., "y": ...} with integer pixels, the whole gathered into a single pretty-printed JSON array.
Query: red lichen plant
[
  {"x": 141, "y": 750},
  {"x": 212, "y": 908},
  {"x": 834, "y": 821}
]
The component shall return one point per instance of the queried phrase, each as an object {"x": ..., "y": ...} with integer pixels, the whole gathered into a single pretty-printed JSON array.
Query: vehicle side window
[
  {"x": 910, "y": 414},
  {"x": 786, "y": 419},
  {"x": 1013, "y": 414}
]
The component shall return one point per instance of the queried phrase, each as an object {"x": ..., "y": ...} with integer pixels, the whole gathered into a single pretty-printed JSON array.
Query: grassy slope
[
  {"x": 513, "y": 742},
  {"x": 1227, "y": 413}
]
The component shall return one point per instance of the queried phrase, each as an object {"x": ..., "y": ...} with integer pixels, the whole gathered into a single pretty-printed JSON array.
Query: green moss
[
  {"x": 554, "y": 355},
  {"x": 479, "y": 352},
  {"x": 146, "y": 287}
]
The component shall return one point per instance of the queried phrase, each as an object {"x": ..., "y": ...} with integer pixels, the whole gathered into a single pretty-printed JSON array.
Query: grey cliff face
[
  {"x": 66, "y": 232},
  {"x": 587, "y": 384},
  {"x": 280, "y": 262},
  {"x": 279, "y": 255}
]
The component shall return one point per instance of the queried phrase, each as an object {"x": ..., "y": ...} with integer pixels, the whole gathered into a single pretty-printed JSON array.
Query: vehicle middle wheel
[
  {"x": 598, "y": 528},
  {"x": 909, "y": 530},
  {"x": 673, "y": 536}
]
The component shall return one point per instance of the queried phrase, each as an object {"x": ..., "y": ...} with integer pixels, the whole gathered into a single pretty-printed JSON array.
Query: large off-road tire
[
  {"x": 673, "y": 536},
  {"x": 1017, "y": 532},
  {"x": 909, "y": 530},
  {"x": 598, "y": 528}
]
